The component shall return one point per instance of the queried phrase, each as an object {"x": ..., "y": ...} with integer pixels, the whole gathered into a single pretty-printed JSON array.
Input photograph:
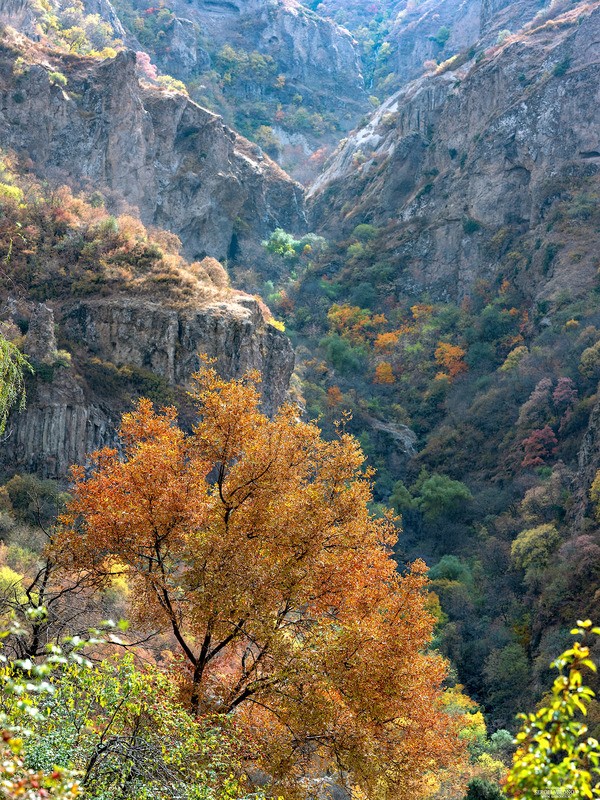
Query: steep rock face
[
  {"x": 510, "y": 15},
  {"x": 318, "y": 58},
  {"x": 67, "y": 416},
  {"x": 416, "y": 33},
  {"x": 40, "y": 344},
  {"x": 168, "y": 341},
  {"x": 458, "y": 165},
  {"x": 156, "y": 150},
  {"x": 60, "y": 423},
  {"x": 277, "y": 71},
  {"x": 419, "y": 33},
  {"x": 20, "y": 15},
  {"x": 58, "y": 428},
  {"x": 588, "y": 463}
]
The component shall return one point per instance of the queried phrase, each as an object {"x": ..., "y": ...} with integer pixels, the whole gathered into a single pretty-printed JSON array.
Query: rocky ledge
[{"x": 73, "y": 402}]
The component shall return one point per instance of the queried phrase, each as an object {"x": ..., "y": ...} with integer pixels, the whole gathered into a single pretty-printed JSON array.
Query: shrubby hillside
[{"x": 335, "y": 449}]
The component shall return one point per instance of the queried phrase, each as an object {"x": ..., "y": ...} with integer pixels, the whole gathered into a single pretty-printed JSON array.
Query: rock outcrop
[
  {"x": 276, "y": 70},
  {"x": 464, "y": 169},
  {"x": 157, "y": 151},
  {"x": 169, "y": 341},
  {"x": 318, "y": 59},
  {"x": 68, "y": 415},
  {"x": 20, "y": 14},
  {"x": 60, "y": 423},
  {"x": 432, "y": 30},
  {"x": 508, "y": 15},
  {"x": 588, "y": 464},
  {"x": 59, "y": 427},
  {"x": 418, "y": 34},
  {"x": 40, "y": 344}
]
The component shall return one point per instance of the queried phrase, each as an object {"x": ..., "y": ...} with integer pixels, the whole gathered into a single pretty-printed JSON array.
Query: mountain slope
[
  {"x": 279, "y": 73},
  {"x": 90, "y": 122},
  {"x": 466, "y": 167}
]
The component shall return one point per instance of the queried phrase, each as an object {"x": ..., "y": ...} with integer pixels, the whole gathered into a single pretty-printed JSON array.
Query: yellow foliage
[
  {"x": 421, "y": 311},
  {"x": 8, "y": 192},
  {"x": 388, "y": 340},
  {"x": 353, "y": 322},
  {"x": 11, "y": 582},
  {"x": 384, "y": 373},
  {"x": 513, "y": 358},
  {"x": 277, "y": 324},
  {"x": 491, "y": 769},
  {"x": 595, "y": 494},
  {"x": 334, "y": 396}
]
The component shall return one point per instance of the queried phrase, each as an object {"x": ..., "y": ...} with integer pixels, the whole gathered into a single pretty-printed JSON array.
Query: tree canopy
[{"x": 252, "y": 541}]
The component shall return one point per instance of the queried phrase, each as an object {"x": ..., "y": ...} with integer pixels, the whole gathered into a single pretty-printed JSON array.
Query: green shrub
[
  {"x": 57, "y": 79},
  {"x": 470, "y": 225},
  {"x": 442, "y": 36},
  {"x": 561, "y": 67}
]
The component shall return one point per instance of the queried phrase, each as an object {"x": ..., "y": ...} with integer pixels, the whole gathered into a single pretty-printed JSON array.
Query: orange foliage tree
[
  {"x": 384, "y": 373},
  {"x": 251, "y": 540},
  {"x": 356, "y": 324},
  {"x": 450, "y": 357}
]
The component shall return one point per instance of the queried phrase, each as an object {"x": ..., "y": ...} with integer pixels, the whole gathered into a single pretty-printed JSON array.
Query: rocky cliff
[
  {"x": 279, "y": 73},
  {"x": 168, "y": 341},
  {"x": 402, "y": 38},
  {"x": 510, "y": 15},
  {"x": 121, "y": 348},
  {"x": 465, "y": 170},
  {"x": 20, "y": 14},
  {"x": 317, "y": 58},
  {"x": 433, "y": 30},
  {"x": 152, "y": 149}
]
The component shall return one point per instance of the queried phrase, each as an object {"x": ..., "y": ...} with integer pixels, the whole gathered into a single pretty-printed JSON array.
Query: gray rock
[
  {"x": 64, "y": 420},
  {"x": 40, "y": 342},
  {"x": 157, "y": 151},
  {"x": 59, "y": 427},
  {"x": 588, "y": 464},
  {"x": 19, "y": 14},
  {"x": 455, "y": 164},
  {"x": 318, "y": 58},
  {"x": 169, "y": 341}
]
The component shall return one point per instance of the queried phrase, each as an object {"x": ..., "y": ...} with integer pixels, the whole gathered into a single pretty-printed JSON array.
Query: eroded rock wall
[
  {"x": 157, "y": 151},
  {"x": 458, "y": 165},
  {"x": 67, "y": 417}
]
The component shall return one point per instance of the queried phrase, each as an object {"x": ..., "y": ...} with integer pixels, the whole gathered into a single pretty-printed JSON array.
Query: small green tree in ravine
[
  {"x": 441, "y": 496},
  {"x": 554, "y": 753}
]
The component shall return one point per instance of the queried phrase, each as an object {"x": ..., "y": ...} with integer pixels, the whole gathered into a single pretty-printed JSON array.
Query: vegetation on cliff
[{"x": 285, "y": 636}]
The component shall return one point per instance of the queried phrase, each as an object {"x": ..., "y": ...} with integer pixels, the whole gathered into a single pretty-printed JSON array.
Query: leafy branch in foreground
[
  {"x": 25, "y": 684},
  {"x": 13, "y": 365},
  {"x": 107, "y": 729},
  {"x": 554, "y": 752}
]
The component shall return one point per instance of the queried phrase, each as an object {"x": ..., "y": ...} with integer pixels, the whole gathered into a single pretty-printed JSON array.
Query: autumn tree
[
  {"x": 251, "y": 540},
  {"x": 565, "y": 393},
  {"x": 384, "y": 374},
  {"x": 450, "y": 358},
  {"x": 539, "y": 446}
]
